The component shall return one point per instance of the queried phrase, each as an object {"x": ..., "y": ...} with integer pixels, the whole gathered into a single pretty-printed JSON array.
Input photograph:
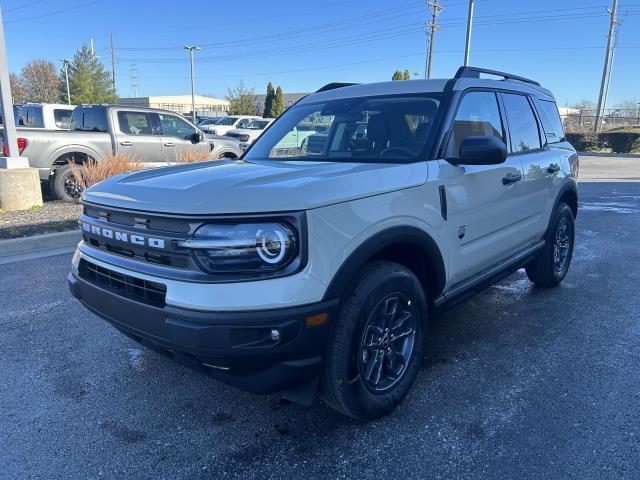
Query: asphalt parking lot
[{"x": 518, "y": 383}]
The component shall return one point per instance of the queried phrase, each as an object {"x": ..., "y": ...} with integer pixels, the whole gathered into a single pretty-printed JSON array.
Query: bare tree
[
  {"x": 17, "y": 90},
  {"x": 628, "y": 105},
  {"x": 39, "y": 81},
  {"x": 242, "y": 100}
]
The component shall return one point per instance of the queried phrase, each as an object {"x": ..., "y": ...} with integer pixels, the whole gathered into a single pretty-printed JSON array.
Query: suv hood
[{"x": 233, "y": 187}]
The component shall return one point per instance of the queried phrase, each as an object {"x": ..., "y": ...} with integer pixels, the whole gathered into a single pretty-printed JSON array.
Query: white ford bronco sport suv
[{"x": 297, "y": 269}]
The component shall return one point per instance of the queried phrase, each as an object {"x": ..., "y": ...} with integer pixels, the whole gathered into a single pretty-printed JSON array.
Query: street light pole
[
  {"x": 191, "y": 48},
  {"x": 65, "y": 65},
  {"x": 468, "y": 42}
]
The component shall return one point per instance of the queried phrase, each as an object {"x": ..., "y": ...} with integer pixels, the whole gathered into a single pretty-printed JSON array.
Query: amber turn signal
[{"x": 316, "y": 320}]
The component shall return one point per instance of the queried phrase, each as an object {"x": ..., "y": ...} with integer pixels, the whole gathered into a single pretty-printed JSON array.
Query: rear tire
[
  {"x": 377, "y": 344},
  {"x": 552, "y": 263},
  {"x": 64, "y": 186}
]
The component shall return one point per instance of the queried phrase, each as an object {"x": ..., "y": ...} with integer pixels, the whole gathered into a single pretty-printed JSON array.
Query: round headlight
[
  {"x": 272, "y": 245},
  {"x": 243, "y": 247}
]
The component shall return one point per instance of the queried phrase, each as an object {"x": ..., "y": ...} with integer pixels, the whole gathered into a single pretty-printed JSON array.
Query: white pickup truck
[{"x": 156, "y": 137}]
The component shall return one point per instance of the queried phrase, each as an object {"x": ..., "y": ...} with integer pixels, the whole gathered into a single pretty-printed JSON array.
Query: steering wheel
[{"x": 406, "y": 151}]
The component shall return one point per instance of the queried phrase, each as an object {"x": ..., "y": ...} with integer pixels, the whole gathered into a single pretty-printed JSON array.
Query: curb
[
  {"x": 49, "y": 241},
  {"x": 601, "y": 154}
]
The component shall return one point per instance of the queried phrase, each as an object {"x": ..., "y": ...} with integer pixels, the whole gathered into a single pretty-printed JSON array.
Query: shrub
[
  {"x": 621, "y": 142},
  {"x": 584, "y": 142},
  {"x": 92, "y": 171},
  {"x": 192, "y": 155}
]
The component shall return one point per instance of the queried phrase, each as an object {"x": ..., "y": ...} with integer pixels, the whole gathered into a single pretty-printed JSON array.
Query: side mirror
[
  {"x": 481, "y": 150},
  {"x": 198, "y": 137}
]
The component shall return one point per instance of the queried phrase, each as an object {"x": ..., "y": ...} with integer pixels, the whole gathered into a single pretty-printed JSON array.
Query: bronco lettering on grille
[{"x": 123, "y": 236}]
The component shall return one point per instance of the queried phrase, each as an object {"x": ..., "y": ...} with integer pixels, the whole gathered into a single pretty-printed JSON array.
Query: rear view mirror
[
  {"x": 198, "y": 137},
  {"x": 481, "y": 150}
]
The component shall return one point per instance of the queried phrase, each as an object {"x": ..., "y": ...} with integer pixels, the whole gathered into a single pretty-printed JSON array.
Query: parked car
[
  {"x": 207, "y": 123},
  {"x": 290, "y": 270},
  {"x": 47, "y": 116},
  {"x": 250, "y": 132},
  {"x": 151, "y": 136},
  {"x": 229, "y": 123}
]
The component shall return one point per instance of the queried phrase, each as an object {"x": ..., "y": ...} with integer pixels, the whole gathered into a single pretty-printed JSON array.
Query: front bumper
[{"x": 234, "y": 347}]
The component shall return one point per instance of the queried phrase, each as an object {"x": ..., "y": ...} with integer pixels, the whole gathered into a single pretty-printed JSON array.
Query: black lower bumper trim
[{"x": 234, "y": 347}]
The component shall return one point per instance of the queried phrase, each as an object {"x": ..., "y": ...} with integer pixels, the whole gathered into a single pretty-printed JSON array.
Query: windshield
[
  {"x": 257, "y": 125},
  {"x": 368, "y": 128},
  {"x": 228, "y": 121}
]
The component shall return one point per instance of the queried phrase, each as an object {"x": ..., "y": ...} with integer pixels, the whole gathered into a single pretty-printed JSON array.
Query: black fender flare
[
  {"x": 569, "y": 185},
  {"x": 378, "y": 242}
]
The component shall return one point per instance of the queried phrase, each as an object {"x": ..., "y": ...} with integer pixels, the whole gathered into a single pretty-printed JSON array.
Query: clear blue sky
[{"x": 303, "y": 45}]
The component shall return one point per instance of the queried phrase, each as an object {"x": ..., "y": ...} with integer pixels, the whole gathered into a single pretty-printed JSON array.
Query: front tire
[
  {"x": 552, "y": 263},
  {"x": 64, "y": 185},
  {"x": 377, "y": 343}
]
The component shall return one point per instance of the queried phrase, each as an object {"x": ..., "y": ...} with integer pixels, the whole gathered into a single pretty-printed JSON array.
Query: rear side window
[
  {"x": 523, "y": 127},
  {"x": 89, "y": 120},
  {"x": 551, "y": 123},
  {"x": 30, "y": 117},
  {"x": 135, "y": 123},
  {"x": 62, "y": 118},
  {"x": 478, "y": 115}
]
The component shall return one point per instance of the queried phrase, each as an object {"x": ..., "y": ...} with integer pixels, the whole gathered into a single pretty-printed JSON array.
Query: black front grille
[
  {"x": 160, "y": 224},
  {"x": 144, "y": 291}
]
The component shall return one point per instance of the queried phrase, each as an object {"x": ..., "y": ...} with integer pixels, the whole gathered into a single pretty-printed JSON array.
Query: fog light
[{"x": 275, "y": 335}]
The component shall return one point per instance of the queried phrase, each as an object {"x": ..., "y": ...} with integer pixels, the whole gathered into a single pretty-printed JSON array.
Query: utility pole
[
  {"x": 113, "y": 65},
  {"x": 191, "y": 48},
  {"x": 467, "y": 46},
  {"x": 433, "y": 26},
  {"x": 606, "y": 88},
  {"x": 65, "y": 65},
  {"x": 607, "y": 65},
  {"x": 133, "y": 72},
  {"x": 93, "y": 54}
]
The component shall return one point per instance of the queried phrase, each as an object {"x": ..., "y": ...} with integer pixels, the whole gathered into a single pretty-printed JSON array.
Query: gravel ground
[{"x": 54, "y": 216}]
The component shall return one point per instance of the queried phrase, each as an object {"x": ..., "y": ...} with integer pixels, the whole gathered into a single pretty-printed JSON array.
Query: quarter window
[
  {"x": 551, "y": 122},
  {"x": 135, "y": 123},
  {"x": 523, "y": 127},
  {"x": 478, "y": 115}
]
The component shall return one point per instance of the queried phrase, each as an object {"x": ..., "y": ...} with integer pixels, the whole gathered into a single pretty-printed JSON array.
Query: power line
[
  {"x": 22, "y": 6},
  {"x": 82, "y": 5},
  {"x": 347, "y": 23}
]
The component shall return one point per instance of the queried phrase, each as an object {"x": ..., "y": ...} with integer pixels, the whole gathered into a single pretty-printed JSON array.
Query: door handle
[
  {"x": 169, "y": 144},
  {"x": 553, "y": 168},
  {"x": 511, "y": 178},
  {"x": 126, "y": 144}
]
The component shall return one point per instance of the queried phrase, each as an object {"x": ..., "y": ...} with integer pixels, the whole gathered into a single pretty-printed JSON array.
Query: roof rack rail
[
  {"x": 474, "y": 72},
  {"x": 334, "y": 85}
]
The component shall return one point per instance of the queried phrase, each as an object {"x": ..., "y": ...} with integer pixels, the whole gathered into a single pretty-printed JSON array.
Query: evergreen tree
[
  {"x": 89, "y": 82},
  {"x": 406, "y": 75},
  {"x": 268, "y": 101},
  {"x": 278, "y": 103},
  {"x": 397, "y": 75}
]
